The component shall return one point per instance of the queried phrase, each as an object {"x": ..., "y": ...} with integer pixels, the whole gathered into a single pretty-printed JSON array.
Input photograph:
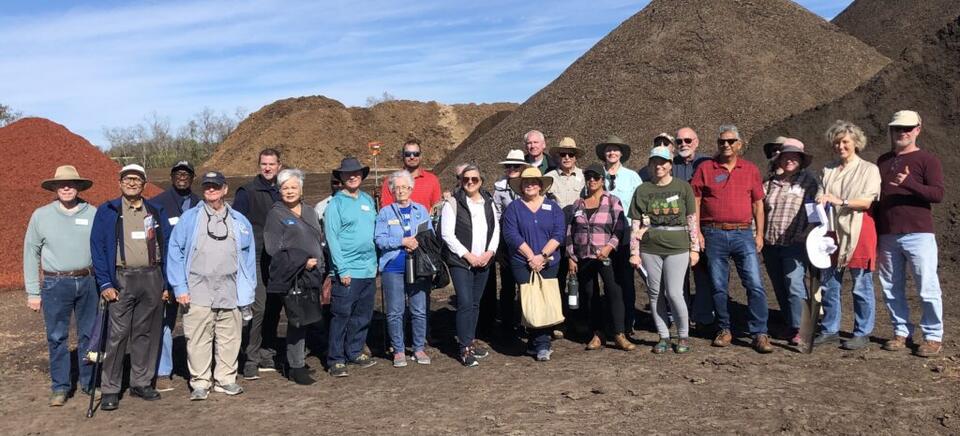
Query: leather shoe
[
  {"x": 110, "y": 402},
  {"x": 761, "y": 343},
  {"x": 147, "y": 393},
  {"x": 723, "y": 338},
  {"x": 595, "y": 343}
]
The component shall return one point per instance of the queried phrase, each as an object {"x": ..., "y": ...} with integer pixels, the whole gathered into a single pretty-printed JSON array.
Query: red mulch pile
[{"x": 35, "y": 147}]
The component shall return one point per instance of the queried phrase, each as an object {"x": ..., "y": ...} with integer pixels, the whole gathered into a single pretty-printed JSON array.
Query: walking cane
[
  {"x": 375, "y": 147},
  {"x": 97, "y": 355}
]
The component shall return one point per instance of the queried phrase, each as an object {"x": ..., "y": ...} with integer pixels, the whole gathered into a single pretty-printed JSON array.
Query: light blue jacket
[
  {"x": 388, "y": 233},
  {"x": 182, "y": 248}
]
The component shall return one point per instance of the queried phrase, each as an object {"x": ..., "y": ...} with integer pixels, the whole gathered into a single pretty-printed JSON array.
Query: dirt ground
[{"x": 707, "y": 391}]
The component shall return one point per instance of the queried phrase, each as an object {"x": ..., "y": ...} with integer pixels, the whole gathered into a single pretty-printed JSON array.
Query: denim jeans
[
  {"x": 539, "y": 338},
  {"x": 62, "y": 296},
  {"x": 864, "y": 301},
  {"x": 700, "y": 304},
  {"x": 919, "y": 251},
  {"x": 739, "y": 245},
  {"x": 786, "y": 266},
  {"x": 165, "y": 366},
  {"x": 469, "y": 285},
  {"x": 351, "y": 308},
  {"x": 396, "y": 293}
]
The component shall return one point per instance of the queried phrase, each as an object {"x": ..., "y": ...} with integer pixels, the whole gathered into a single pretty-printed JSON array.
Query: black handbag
[{"x": 302, "y": 305}]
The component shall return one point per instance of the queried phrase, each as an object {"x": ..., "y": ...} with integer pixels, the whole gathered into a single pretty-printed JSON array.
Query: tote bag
[{"x": 540, "y": 301}]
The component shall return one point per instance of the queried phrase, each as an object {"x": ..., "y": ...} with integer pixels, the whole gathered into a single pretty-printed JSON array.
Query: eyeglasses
[
  {"x": 226, "y": 229},
  {"x": 411, "y": 154},
  {"x": 684, "y": 141},
  {"x": 182, "y": 174},
  {"x": 469, "y": 179},
  {"x": 593, "y": 176},
  {"x": 566, "y": 154},
  {"x": 132, "y": 180},
  {"x": 402, "y": 188},
  {"x": 730, "y": 142}
]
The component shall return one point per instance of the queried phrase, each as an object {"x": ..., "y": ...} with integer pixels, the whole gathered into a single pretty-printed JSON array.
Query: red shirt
[
  {"x": 426, "y": 190},
  {"x": 727, "y": 196}
]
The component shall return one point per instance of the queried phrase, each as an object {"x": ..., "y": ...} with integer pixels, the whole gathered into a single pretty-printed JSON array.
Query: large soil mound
[
  {"x": 35, "y": 147},
  {"x": 688, "y": 62},
  {"x": 314, "y": 133},
  {"x": 929, "y": 83},
  {"x": 892, "y": 26}
]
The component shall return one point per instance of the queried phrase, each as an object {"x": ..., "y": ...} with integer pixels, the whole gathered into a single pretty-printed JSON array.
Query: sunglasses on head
[
  {"x": 470, "y": 179},
  {"x": 411, "y": 154},
  {"x": 661, "y": 141},
  {"x": 684, "y": 141},
  {"x": 566, "y": 154},
  {"x": 722, "y": 142}
]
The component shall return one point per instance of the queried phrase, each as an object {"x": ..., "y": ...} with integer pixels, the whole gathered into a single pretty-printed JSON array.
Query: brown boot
[
  {"x": 762, "y": 344},
  {"x": 898, "y": 343},
  {"x": 929, "y": 348},
  {"x": 595, "y": 343},
  {"x": 723, "y": 339},
  {"x": 623, "y": 343}
]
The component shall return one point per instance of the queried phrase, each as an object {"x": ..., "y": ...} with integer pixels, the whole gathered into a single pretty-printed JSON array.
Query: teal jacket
[{"x": 349, "y": 225}]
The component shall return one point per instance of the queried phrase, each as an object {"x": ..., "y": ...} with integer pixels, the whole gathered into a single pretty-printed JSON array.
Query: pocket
[{"x": 338, "y": 290}]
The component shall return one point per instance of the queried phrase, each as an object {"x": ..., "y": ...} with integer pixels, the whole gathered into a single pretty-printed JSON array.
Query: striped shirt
[
  {"x": 786, "y": 220},
  {"x": 588, "y": 233}
]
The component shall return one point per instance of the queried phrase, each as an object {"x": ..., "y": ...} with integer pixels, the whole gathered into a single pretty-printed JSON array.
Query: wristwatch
[{"x": 845, "y": 203}]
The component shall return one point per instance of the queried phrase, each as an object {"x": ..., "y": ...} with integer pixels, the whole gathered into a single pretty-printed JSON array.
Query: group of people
[{"x": 229, "y": 269}]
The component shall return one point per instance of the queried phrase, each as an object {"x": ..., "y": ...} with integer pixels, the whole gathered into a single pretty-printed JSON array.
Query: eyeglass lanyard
[{"x": 225, "y": 226}]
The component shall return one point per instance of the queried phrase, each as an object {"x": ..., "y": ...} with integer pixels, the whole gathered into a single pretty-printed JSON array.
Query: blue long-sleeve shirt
[
  {"x": 349, "y": 224},
  {"x": 536, "y": 229}
]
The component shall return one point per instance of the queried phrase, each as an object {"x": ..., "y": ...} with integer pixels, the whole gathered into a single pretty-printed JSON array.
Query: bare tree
[
  {"x": 386, "y": 96},
  {"x": 8, "y": 115}
]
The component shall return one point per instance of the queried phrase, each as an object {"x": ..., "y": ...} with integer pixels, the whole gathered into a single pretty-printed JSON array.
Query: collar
[
  {"x": 222, "y": 213},
  {"x": 129, "y": 206},
  {"x": 574, "y": 172},
  {"x": 716, "y": 164}
]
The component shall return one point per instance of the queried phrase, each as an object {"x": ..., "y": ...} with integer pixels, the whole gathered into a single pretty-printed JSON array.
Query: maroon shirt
[
  {"x": 727, "y": 196},
  {"x": 906, "y": 208}
]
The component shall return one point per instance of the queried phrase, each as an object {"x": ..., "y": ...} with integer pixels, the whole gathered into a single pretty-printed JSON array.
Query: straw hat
[
  {"x": 613, "y": 140},
  {"x": 66, "y": 173},
  {"x": 567, "y": 145},
  {"x": 515, "y": 157},
  {"x": 531, "y": 173}
]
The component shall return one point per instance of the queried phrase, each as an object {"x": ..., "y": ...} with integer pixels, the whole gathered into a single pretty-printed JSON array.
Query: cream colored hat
[
  {"x": 905, "y": 119},
  {"x": 514, "y": 157},
  {"x": 66, "y": 173}
]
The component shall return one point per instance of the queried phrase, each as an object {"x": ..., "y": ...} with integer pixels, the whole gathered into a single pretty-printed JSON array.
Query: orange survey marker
[{"x": 374, "y": 147}]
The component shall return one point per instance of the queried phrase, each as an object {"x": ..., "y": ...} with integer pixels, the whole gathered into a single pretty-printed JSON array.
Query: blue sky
[{"x": 96, "y": 64}]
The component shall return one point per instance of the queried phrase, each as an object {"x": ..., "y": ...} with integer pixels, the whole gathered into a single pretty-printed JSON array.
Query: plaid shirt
[
  {"x": 786, "y": 216},
  {"x": 586, "y": 237}
]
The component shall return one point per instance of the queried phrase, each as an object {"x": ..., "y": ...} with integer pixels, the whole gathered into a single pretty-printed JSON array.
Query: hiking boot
[
  {"x": 683, "y": 346},
  {"x": 147, "y": 393},
  {"x": 229, "y": 389},
  {"x": 300, "y": 376},
  {"x": 110, "y": 402},
  {"x": 479, "y": 351},
  {"x": 723, "y": 338},
  {"x": 338, "y": 370},
  {"x": 898, "y": 343},
  {"x": 421, "y": 357},
  {"x": 595, "y": 343},
  {"x": 165, "y": 383},
  {"x": 399, "y": 360},
  {"x": 855, "y": 343},
  {"x": 929, "y": 348},
  {"x": 544, "y": 355},
  {"x": 251, "y": 371},
  {"x": 58, "y": 399},
  {"x": 661, "y": 346},
  {"x": 363, "y": 361},
  {"x": 623, "y": 343},
  {"x": 826, "y": 338},
  {"x": 761, "y": 343},
  {"x": 468, "y": 359},
  {"x": 198, "y": 394}
]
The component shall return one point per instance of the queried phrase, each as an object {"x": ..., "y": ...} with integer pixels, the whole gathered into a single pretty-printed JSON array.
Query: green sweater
[{"x": 57, "y": 242}]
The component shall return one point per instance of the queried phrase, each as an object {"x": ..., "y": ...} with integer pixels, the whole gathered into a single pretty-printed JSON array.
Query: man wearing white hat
[
  {"x": 912, "y": 182},
  {"x": 58, "y": 243},
  {"x": 128, "y": 245},
  {"x": 513, "y": 165}
]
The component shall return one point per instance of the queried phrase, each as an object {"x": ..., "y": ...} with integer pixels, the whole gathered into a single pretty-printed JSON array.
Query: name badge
[
  {"x": 173, "y": 220},
  {"x": 578, "y": 213},
  {"x": 720, "y": 178},
  {"x": 393, "y": 222},
  {"x": 796, "y": 190},
  {"x": 673, "y": 198},
  {"x": 81, "y": 222},
  {"x": 365, "y": 208},
  {"x": 290, "y": 221},
  {"x": 138, "y": 235},
  {"x": 546, "y": 206}
]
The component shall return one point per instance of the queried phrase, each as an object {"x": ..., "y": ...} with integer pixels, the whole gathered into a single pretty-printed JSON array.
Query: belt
[
  {"x": 727, "y": 226},
  {"x": 137, "y": 268},
  {"x": 673, "y": 228},
  {"x": 83, "y": 272}
]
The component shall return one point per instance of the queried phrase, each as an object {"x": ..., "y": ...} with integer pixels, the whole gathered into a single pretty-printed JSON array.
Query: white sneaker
[
  {"x": 230, "y": 389},
  {"x": 198, "y": 394}
]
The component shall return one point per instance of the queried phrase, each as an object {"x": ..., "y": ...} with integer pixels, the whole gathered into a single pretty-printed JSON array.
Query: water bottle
[
  {"x": 573, "y": 292},
  {"x": 409, "y": 270}
]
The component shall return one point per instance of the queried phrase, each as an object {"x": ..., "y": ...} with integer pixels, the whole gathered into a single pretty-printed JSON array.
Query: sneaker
[
  {"x": 558, "y": 334},
  {"x": 855, "y": 343},
  {"x": 229, "y": 389},
  {"x": 683, "y": 346},
  {"x": 479, "y": 351},
  {"x": 58, "y": 399},
  {"x": 363, "y": 361},
  {"x": 929, "y": 348},
  {"x": 826, "y": 338},
  {"x": 165, "y": 383},
  {"x": 723, "y": 338},
  {"x": 661, "y": 346},
  {"x": 761, "y": 343},
  {"x": 251, "y": 371},
  {"x": 198, "y": 394},
  {"x": 544, "y": 355},
  {"x": 796, "y": 340},
  {"x": 399, "y": 360},
  {"x": 421, "y": 357},
  {"x": 267, "y": 365},
  {"x": 338, "y": 370},
  {"x": 468, "y": 359},
  {"x": 898, "y": 343}
]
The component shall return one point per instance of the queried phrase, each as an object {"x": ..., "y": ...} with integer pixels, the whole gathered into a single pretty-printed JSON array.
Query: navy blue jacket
[
  {"x": 171, "y": 202},
  {"x": 103, "y": 239}
]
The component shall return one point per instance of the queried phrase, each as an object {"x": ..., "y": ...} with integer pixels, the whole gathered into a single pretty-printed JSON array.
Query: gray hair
[
  {"x": 729, "y": 128},
  {"x": 290, "y": 173},
  {"x": 471, "y": 167},
  {"x": 526, "y": 136},
  {"x": 841, "y": 128},
  {"x": 391, "y": 180}
]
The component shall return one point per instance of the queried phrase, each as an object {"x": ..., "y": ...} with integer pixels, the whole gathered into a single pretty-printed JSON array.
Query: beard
[{"x": 685, "y": 153}]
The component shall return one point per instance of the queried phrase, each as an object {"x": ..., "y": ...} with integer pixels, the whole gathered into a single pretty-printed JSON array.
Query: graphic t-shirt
[{"x": 667, "y": 207}]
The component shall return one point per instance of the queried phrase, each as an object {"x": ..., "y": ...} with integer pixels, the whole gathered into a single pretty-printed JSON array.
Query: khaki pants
[{"x": 212, "y": 332}]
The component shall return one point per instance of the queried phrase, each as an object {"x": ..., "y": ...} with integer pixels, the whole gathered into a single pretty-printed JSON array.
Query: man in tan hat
[
  {"x": 58, "y": 243},
  {"x": 567, "y": 185}
]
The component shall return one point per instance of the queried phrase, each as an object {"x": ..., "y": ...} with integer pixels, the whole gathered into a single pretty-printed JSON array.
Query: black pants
[
  {"x": 135, "y": 327},
  {"x": 603, "y": 313},
  {"x": 624, "y": 276},
  {"x": 255, "y": 350}
]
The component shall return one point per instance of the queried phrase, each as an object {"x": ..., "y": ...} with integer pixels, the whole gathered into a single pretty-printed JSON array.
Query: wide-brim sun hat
[
  {"x": 566, "y": 145},
  {"x": 349, "y": 165},
  {"x": 515, "y": 157},
  {"x": 771, "y": 148},
  {"x": 791, "y": 145},
  {"x": 531, "y": 173},
  {"x": 613, "y": 140},
  {"x": 66, "y": 173}
]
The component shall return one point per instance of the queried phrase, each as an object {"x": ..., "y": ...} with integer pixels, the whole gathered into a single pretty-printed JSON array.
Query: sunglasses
[
  {"x": 470, "y": 179},
  {"x": 613, "y": 181},
  {"x": 566, "y": 154},
  {"x": 411, "y": 154},
  {"x": 722, "y": 142},
  {"x": 513, "y": 167},
  {"x": 684, "y": 141},
  {"x": 222, "y": 221},
  {"x": 593, "y": 176},
  {"x": 903, "y": 128}
]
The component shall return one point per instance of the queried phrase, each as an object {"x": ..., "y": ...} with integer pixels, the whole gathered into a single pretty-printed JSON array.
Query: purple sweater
[
  {"x": 536, "y": 229},
  {"x": 907, "y": 208}
]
